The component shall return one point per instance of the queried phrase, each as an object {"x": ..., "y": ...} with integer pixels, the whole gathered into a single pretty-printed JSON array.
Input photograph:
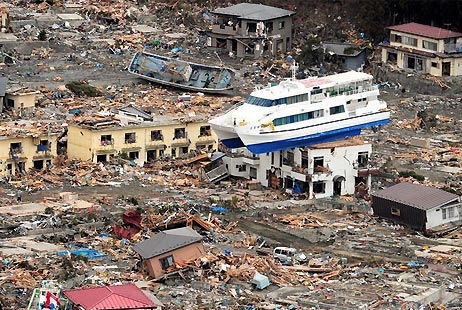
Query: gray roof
[
  {"x": 339, "y": 48},
  {"x": 166, "y": 241},
  {"x": 417, "y": 196},
  {"x": 254, "y": 11}
]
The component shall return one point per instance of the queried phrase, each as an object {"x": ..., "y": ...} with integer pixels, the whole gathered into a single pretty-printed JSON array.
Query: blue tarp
[{"x": 90, "y": 253}]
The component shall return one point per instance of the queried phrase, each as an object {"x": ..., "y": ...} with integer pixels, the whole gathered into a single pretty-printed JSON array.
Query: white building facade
[{"x": 318, "y": 171}]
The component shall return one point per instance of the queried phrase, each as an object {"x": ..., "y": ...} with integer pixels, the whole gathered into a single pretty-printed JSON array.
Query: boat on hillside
[
  {"x": 298, "y": 113},
  {"x": 182, "y": 74}
]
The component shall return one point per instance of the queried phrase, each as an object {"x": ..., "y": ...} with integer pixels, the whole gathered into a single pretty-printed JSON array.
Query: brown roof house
[
  {"x": 424, "y": 49},
  {"x": 418, "y": 206},
  {"x": 169, "y": 247}
]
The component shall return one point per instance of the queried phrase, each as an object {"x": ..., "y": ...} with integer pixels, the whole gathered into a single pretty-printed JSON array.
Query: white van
[{"x": 288, "y": 255}]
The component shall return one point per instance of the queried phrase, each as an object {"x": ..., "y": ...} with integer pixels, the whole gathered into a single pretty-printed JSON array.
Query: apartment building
[
  {"x": 424, "y": 49},
  {"x": 251, "y": 30},
  {"x": 317, "y": 171},
  {"x": 139, "y": 139},
  {"x": 26, "y": 146}
]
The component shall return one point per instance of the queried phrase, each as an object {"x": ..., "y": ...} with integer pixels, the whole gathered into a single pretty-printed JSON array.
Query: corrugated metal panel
[{"x": 417, "y": 196}]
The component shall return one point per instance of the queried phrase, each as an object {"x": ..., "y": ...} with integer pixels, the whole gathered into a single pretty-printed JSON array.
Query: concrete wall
[
  {"x": 435, "y": 216},
  {"x": 27, "y": 154},
  {"x": 86, "y": 144},
  {"x": 183, "y": 254},
  {"x": 26, "y": 101}
]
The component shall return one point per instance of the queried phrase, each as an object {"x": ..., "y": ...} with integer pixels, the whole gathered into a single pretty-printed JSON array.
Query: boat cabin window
[
  {"x": 316, "y": 91},
  {"x": 297, "y": 118},
  {"x": 260, "y": 101},
  {"x": 337, "y": 109}
]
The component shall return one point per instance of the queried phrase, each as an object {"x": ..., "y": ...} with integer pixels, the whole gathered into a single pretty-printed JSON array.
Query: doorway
[
  {"x": 338, "y": 185},
  {"x": 446, "y": 69}
]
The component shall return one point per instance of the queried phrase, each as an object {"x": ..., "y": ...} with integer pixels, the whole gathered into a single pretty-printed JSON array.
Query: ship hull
[{"x": 272, "y": 142}]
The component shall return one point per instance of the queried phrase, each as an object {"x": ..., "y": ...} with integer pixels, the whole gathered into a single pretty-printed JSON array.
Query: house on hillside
[
  {"x": 417, "y": 206},
  {"x": 424, "y": 49},
  {"x": 125, "y": 296},
  {"x": 168, "y": 248},
  {"x": 251, "y": 30}
]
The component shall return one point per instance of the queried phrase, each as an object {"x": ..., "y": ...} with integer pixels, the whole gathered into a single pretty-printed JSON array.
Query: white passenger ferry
[{"x": 298, "y": 113}]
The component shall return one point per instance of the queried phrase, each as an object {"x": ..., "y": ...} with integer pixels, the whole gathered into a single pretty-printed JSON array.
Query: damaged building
[
  {"x": 425, "y": 49},
  {"x": 25, "y": 146},
  {"x": 323, "y": 170},
  {"x": 138, "y": 136},
  {"x": 251, "y": 30}
]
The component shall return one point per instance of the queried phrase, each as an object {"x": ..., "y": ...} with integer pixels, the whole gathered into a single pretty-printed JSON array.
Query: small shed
[
  {"x": 418, "y": 206},
  {"x": 168, "y": 248}
]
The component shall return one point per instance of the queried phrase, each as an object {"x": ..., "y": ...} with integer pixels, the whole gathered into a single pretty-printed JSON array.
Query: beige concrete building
[
  {"x": 23, "y": 147},
  {"x": 424, "y": 49},
  {"x": 140, "y": 140},
  {"x": 20, "y": 99}
]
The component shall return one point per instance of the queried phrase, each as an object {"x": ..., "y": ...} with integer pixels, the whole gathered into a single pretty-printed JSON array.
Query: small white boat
[
  {"x": 182, "y": 74},
  {"x": 298, "y": 113},
  {"x": 46, "y": 297}
]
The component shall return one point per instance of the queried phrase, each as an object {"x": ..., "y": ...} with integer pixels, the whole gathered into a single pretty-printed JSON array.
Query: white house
[{"x": 317, "y": 171}]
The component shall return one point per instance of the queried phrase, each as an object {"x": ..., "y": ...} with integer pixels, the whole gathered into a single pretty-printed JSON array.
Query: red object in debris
[
  {"x": 132, "y": 220},
  {"x": 48, "y": 298},
  {"x": 132, "y": 217}
]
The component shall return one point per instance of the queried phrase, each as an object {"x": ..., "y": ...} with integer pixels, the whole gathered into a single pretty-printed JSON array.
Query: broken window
[
  {"x": 241, "y": 168},
  {"x": 106, "y": 140},
  {"x": 44, "y": 146},
  {"x": 130, "y": 137},
  {"x": 151, "y": 155},
  {"x": 253, "y": 173},
  {"x": 15, "y": 148},
  {"x": 180, "y": 133},
  {"x": 156, "y": 135},
  {"x": 10, "y": 103},
  {"x": 288, "y": 158},
  {"x": 395, "y": 211},
  {"x": 318, "y": 163},
  {"x": 21, "y": 167},
  {"x": 434, "y": 64},
  {"x": 281, "y": 25},
  {"x": 392, "y": 57},
  {"x": 166, "y": 262},
  {"x": 269, "y": 27},
  {"x": 363, "y": 159},
  {"x": 252, "y": 27},
  {"x": 184, "y": 150},
  {"x": 395, "y": 38},
  {"x": 134, "y": 155},
  {"x": 319, "y": 187},
  {"x": 205, "y": 131},
  {"x": 101, "y": 158},
  {"x": 38, "y": 164},
  {"x": 221, "y": 43}
]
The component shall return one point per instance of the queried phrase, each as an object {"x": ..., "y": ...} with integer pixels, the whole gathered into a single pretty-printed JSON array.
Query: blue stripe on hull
[
  {"x": 233, "y": 143},
  {"x": 326, "y": 136}
]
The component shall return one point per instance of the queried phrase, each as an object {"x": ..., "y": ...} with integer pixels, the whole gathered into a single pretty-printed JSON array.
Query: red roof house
[
  {"x": 426, "y": 31},
  {"x": 125, "y": 296}
]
